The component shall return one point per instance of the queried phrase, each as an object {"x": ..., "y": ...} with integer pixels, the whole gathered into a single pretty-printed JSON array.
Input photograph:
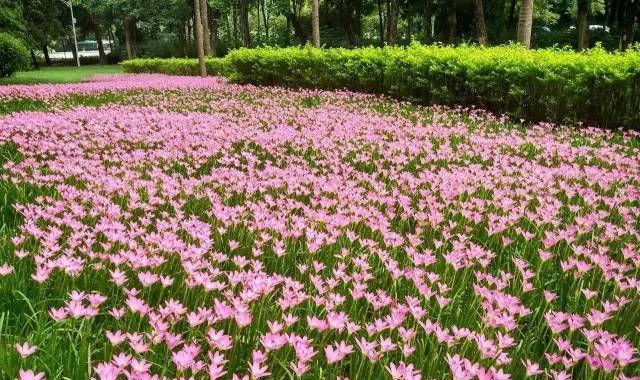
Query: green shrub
[
  {"x": 357, "y": 69},
  {"x": 13, "y": 55},
  {"x": 175, "y": 66},
  {"x": 594, "y": 87}
]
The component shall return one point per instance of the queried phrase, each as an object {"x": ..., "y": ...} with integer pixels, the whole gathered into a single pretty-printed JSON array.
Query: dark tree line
[{"x": 174, "y": 27}]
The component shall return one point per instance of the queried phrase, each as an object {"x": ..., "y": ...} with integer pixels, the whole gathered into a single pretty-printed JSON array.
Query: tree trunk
[
  {"x": 315, "y": 22},
  {"x": 393, "y": 8},
  {"x": 234, "y": 15},
  {"x": 380, "y": 24},
  {"x": 452, "y": 22},
  {"x": 101, "y": 54},
  {"x": 34, "y": 60},
  {"x": 298, "y": 28},
  {"x": 357, "y": 15},
  {"x": 351, "y": 33},
  {"x": 182, "y": 38},
  {"x": 582, "y": 24},
  {"x": 45, "y": 51},
  {"x": 610, "y": 12},
  {"x": 352, "y": 22},
  {"x": 627, "y": 26},
  {"x": 481, "y": 29},
  {"x": 525, "y": 23},
  {"x": 129, "y": 38},
  {"x": 74, "y": 51},
  {"x": 204, "y": 17},
  {"x": 112, "y": 38},
  {"x": 244, "y": 24},
  {"x": 427, "y": 15},
  {"x": 265, "y": 19},
  {"x": 214, "y": 16},
  {"x": 197, "y": 21},
  {"x": 512, "y": 14}
]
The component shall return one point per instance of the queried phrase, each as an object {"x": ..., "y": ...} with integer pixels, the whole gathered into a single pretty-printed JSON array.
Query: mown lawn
[{"x": 58, "y": 74}]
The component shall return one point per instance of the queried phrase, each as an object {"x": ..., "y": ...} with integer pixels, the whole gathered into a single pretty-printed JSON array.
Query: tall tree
[
  {"x": 101, "y": 53},
  {"x": 511, "y": 22},
  {"x": 481, "y": 29},
  {"x": 197, "y": 20},
  {"x": 452, "y": 21},
  {"x": 265, "y": 18},
  {"x": 214, "y": 20},
  {"x": 582, "y": 24},
  {"x": 234, "y": 17},
  {"x": 42, "y": 19},
  {"x": 292, "y": 10},
  {"x": 353, "y": 21},
  {"x": 95, "y": 11},
  {"x": 129, "y": 26},
  {"x": 315, "y": 22},
  {"x": 427, "y": 19},
  {"x": 627, "y": 22},
  {"x": 206, "y": 36},
  {"x": 393, "y": 10},
  {"x": 525, "y": 23},
  {"x": 245, "y": 32},
  {"x": 380, "y": 23}
]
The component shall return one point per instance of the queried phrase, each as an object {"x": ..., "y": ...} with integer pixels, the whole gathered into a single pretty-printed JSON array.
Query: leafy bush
[
  {"x": 13, "y": 55},
  {"x": 594, "y": 87},
  {"x": 176, "y": 66},
  {"x": 357, "y": 69}
]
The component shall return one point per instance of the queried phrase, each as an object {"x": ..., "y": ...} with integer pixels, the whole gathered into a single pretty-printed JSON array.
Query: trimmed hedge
[
  {"x": 594, "y": 87},
  {"x": 14, "y": 55},
  {"x": 176, "y": 66}
]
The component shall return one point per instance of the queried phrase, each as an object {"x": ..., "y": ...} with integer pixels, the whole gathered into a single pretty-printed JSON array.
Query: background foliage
[{"x": 164, "y": 28}]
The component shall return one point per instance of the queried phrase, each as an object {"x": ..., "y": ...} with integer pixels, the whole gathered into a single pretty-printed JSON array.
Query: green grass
[{"x": 60, "y": 74}]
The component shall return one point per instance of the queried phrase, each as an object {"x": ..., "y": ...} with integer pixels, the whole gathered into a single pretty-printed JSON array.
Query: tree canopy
[{"x": 166, "y": 28}]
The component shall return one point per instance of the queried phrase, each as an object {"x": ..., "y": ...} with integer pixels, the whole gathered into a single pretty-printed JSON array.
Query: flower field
[{"x": 157, "y": 227}]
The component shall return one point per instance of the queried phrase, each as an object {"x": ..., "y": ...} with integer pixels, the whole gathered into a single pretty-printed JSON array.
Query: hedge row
[
  {"x": 594, "y": 87},
  {"x": 176, "y": 66}
]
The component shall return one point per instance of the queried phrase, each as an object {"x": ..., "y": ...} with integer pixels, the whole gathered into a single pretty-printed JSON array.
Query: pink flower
[
  {"x": 258, "y": 370},
  {"x": 549, "y": 296},
  {"x": 532, "y": 369},
  {"x": 403, "y": 372},
  {"x": 115, "y": 338},
  {"x": 121, "y": 360},
  {"x": 219, "y": 339},
  {"x": 107, "y": 371},
  {"x": 300, "y": 368},
  {"x": 216, "y": 368},
  {"x": 272, "y": 341},
  {"x": 25, "y": 349},
  {"x": 589, "y": 293},
  {"x": 30, "y": 375},
  {"x": 335, "y": 355},
  {"x": 560, "y": 375},
  {"x": 5, "y": 269},
  {"x": 185, "y": 358}
]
